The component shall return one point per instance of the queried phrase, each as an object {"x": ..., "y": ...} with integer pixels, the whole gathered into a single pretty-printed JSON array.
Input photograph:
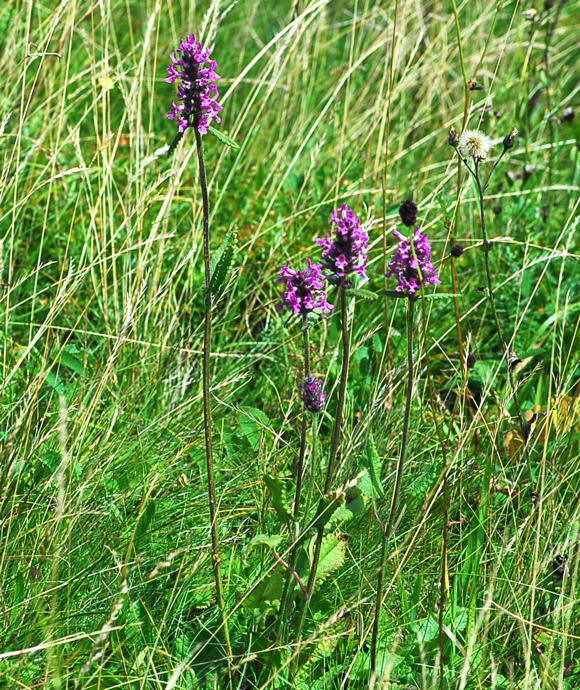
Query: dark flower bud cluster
[
  {"x": 457, "y": 250},
  {"x": 304, "y": 289},
  {"x": 408, "y": 211},
  {"x": 453, "y": 138},
  {"x": 313, "y": 396},
  {"x": 197, "y": 91},
  {"x": 413, "y": 269},
  {"x": 344, "y": 250}
]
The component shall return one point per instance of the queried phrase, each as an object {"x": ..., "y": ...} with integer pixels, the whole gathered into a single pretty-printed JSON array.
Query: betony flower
[
  {"x": 197, "y": 91},
  {"x": 304, "y": 289},
  {"x": 344, "y": 247},
  {"x": 313, "y": 396},
  {"x": 474, "y": 144},
  {"x": 413, "y": 272}
]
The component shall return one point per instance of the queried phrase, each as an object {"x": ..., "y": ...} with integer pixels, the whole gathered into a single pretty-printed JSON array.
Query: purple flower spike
[
  {"x": 197, "y": 91},
  {"x": 410, "y": 272},
  {"x": 344, "y": 250},
  {"x": 304, "y": 290},
  {"x": 313, "y": 396}
]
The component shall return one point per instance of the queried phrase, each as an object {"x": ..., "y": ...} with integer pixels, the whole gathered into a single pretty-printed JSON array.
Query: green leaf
[
  {"x": 141, "y": 531},
  {"x": 331, "y": 555},
  {"x": 252, "y": 423},
  {"x": 277, "y": 493},
  {"x": 267, "y": 592},
  {"x": 442, "y": 295},
  {"x": 68, "y": 359},
  {"x": 271, "y": 540},
  {"x": 222, "y": 261},
  {"x": 370, "y": 483},
  {"x": 426, "y": 630},
  {"x": 223, "y": 138},
  {"x": 365, "y": 294}
]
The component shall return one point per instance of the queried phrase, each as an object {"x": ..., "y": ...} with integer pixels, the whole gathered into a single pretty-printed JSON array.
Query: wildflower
[
  {"x": 530, "y": 15},
  {"x": 474, "y": 144},
  {"x": 344, "y": 251},
  {"x": 413, "y": 272},
  {"x": 304, "y": 289},
  {"x": 313, "y": 396},
  {"x": 197, "y": 91},
  {"x": 508, "y": 141},
  {"x": 408, "y": 211}
]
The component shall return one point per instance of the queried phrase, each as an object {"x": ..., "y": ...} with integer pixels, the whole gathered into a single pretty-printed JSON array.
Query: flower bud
[
  {"x": 408, "y": 211},
  {"x": 453, "y": 137},
  {"x": 457, "y": 250},
  {"x": 508, "y": 141}
]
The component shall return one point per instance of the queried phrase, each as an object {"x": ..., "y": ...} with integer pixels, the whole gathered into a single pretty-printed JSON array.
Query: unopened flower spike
[{"x": 313, "y": 396}]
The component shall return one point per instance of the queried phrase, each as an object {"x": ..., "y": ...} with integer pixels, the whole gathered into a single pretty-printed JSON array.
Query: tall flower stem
[
  {"x": 395, "y": 498},
  {"x": 207, "y": 425},
  {"x": 304, "y": 425},
  {"x": 331, "y": 458},
  {"x": 299, "y": 482}
]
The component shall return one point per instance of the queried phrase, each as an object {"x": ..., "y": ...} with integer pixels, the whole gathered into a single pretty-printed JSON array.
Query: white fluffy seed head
[{"x": 474, "y": 144}]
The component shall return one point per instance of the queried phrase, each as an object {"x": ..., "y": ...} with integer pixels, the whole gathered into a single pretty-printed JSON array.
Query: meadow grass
[{"x": 105, "y": 545}]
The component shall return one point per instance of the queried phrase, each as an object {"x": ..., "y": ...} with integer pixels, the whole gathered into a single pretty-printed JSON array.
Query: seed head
[{"x": 474, "y": 144}]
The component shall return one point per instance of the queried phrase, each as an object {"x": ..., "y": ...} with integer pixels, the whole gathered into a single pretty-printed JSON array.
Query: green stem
[
  {"x": 288, "y": 585},
  {"x": 207, "y": 423},
  {"x": 395, "y": 499},
  {"x": 337, "y": 429}
]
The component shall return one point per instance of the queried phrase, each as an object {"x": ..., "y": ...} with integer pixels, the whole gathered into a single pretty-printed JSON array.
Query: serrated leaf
[
  {"x": 223, "y": 138},
  {"x": 252, "y": 423},
  {"x": 268, "y": 591},
  {"x": 277, "y": 493},
  {"x": 270, "y": 540},
  {"x": 222, "y": 262},
  {"x": 353, "y": 506},
  {"x": 331, "y": 555},
  {"x": 370, "y": 484},
  {"x": 365, "y": 294},
  {"x": 69, "y": 360},
  {"x": 442, "y": 295}
]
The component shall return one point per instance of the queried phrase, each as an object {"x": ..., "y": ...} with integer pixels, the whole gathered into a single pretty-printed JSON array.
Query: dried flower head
[
  {"x": 508, "y": 141},
  {"x": 413, "y": 272},
  {"x": 197, "y": 91},
  {"x": 474, "y": 144},
  {"x": 304, "y": 289},
  {"x": 313, "y": 396},
  {"x": 344, "y": 250},
  {"x": 453, "y": 138},
  {"x": 408, "y": 211}
]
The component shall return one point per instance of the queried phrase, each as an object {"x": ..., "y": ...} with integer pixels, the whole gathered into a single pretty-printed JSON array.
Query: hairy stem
[
  {"x": 395, "y": 498},
  {"x": 288, "y": 585},
  {"x": 207, "y": 424},
  {"x": 331, "y": 459}
]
